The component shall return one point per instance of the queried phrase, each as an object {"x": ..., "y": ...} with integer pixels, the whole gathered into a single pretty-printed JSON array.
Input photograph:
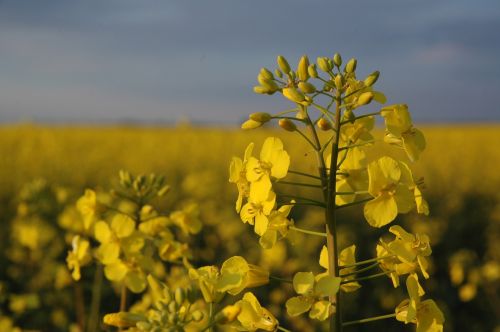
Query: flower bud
[
  {"x": 337, "y": 59},
  {"x": 197, "y": 315},
  {"x": 278, "y": 73},
  {"x": 350, "y": 67},
  {"x": 287, "y": 124},
  {"x": 251, "y": 124},
  {"x": 125, "y": 178},
  {"x": 283, "y": 64},
  {"x": 324, "y": 124},
  {"x": 372, "y": 78},
  {"x": 261, "y": 89},
  {"x": 307, "y": 87},
  {"x": 262, "y": 117},
  {"x": 293, "y": 95},
  {"x": 228, "y": 314},
  {"x": 324, "y": 64},
  {"x": 266, "y": 73},
  {"x": 302, "y": 68},
  {"x": 364, "y": 98},
  {"x": 123, "y": 319},
  {"x": 339, "y": 82},
  {"x": 349, "y": 116},
  {"x": 267, "y": 83},
  {"x": 311, "y": 70},
  {"x": 179, "y": 296}
]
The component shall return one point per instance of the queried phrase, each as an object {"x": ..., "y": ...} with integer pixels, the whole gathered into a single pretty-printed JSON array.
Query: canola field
[{"x": 45, "y": 169}]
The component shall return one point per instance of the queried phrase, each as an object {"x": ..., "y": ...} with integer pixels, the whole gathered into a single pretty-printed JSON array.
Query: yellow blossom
[
  {"x": 236, "y": 274},
  {"x": 253, "y": 316},
  {"x": 237, "y": 175},
  {"x": 256, "y": 212},
  {"x": 79, "y": 256}
]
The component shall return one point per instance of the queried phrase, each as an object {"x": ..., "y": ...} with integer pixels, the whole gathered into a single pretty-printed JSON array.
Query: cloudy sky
[{"x": 167, "y": 60}]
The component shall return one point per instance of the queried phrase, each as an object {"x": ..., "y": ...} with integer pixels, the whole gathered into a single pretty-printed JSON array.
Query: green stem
[
  {"x": 299, "y": 197},
  {"x": 360, "y": 117},
  {"x": 369, "y": 267},
  {"x": 367, "y": 320},
  {"x": 373, "y": 276},
  {"x": 376, "y": 259},
  {"x": 325, "y": 112},
  {"x": 304, "y": 203},
  {"x": 305, "y": 231},
  {"x": 211, "y": 316},
  {"x": 304, "y": 174},
  {"x": 288, "y": 281},
  {"x": 96, "y": 300},
  {"x": 361, "y": 192},
  {"x": 356, "y": 145},
  {"x": 300, "y": 184},
  {"x": 361, "y": 201},
  {"x": 286, "y": 112},
  {"x": 306, "y": 138},
  {"x": 287, "y": 117},
  {"x": 283, "y": 329}
]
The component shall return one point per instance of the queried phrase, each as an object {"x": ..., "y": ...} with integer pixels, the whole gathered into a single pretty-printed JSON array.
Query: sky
[{"x": 164, "y": 61}]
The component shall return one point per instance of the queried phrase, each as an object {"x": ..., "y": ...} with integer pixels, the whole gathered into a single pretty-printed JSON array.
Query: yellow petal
[
  {"x": 115, "y": 271},
  {"x": 303, "y": 282},
  {"x": 102, "y": 232},
  {"x": 122, "y": 225},
  {"x": 298, "y": 305},
  {"x": 381, "y": 210},
  {"x": 320, "y": 310}
]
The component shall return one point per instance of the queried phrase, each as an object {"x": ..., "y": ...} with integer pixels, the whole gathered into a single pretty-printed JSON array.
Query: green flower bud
[
  {"x": 337, "y": 59},
  {"x": 260, "y": 117},
  {"x": 349, "y": 116},
  {"x": 324, "y": 64},
  {"x": 311, "y": 70},
  {"x": 163, "y": 190},
  {"x": 302, "y": 68},
  {"x": 266, "y": 73},
  {"x": 324, "y": 124},
  {"x": 350, "y": 67},
  {"x": 293, "y": 95},
  {"x": 283, "y": 64},
  {"x": 278, "y": 73},
  {"x": 372, "y": 78},
  {"x": 125, "y": 178},
  {"x": 364, "y": 98},
  {"x": 287, "y": 124},
  {"x": 307, "y": 87},
  {"x": 251, "y": 124}
]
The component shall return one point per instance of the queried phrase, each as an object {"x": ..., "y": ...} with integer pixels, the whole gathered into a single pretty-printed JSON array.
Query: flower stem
[
  {"x": 361, "y": 116},
  {"x": 356, "y": 145},
  {"x": 283, "y": 329},
  {"x": 288, "y": 281},
  {"x": 304, "y": 174},
  {"x": 300, "y": 184},
  {"x": 367, "y": 320},
  {"x": 305, "y": 231},
  {"x": 299, "y": 197},
  {"x": 361, "y": 201},
  {"x": 211, "y": 316},
  {"x": 96, "y": 300},
  {"x": 369, "y": 267},
  {"x": 373, "y": 276},
  {"x": 366, "y": 261}
]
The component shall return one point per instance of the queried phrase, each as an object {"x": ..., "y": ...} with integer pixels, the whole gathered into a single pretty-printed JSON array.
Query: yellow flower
[
  {"x": 256, "y": 212},
  {"x": 78, "y": 257},
  {"x": 253, "y": 316},
  {"x": 236, "y": 274},
  {"x": 274, "y": 162},
  {"x": 279, "y": 224},
  {"x": 346, "y": 257},
  {"x": 87, "y": 205},
  {"x": 425, "y": 314},
  {"x": 312, "y": 291},
  {"x": 207, "y": 277},
  {"x": 400, "y": 130},
  {"x": 237, "y": 175},
  {"x": 409, "y": 251},
  {"x": 389, "y": 182},
  {"x": 188, "y": 219}
]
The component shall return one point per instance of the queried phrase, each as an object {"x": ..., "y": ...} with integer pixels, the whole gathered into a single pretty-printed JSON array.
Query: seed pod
[
  {"x": 260, "y": 117},
  {"x": 311, "y": 70},
  {"x": 372, "y": 78},
  {"x": 364, "y": 98},
  {"x": 324, "y": 124},
  {"x": 350, "y": 67},
  {"x": 278, "y": 73},
  {"x": 251, "y": 124},
  {"x": 337, "y": 59},
  {"x": 324, "y": 64},
  {"x": 283, "y": 64},
  {"x": 293, "y": 95},
  {"x": 287, "y": 124},
  {"x": 307, "y": 87},
  {"x": 302, "y": 68},
  {"x": 339, "y": 82}
]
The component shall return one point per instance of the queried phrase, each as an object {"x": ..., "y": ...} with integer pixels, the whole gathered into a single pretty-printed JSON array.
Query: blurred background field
[{"x": 52, "y": 165}]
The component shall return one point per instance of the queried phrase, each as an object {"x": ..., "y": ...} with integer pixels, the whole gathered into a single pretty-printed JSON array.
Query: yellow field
[{"x": 459, "y": 165}]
